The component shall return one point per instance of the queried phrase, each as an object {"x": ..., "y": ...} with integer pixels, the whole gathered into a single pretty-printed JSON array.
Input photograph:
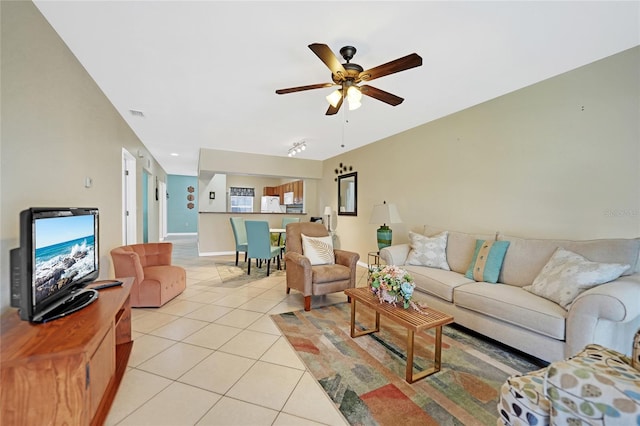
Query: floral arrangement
[{"x": 392, "y": 285}]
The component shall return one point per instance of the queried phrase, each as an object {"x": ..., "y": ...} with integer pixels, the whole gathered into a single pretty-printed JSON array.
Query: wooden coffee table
[{"x": 410, "y": 319}]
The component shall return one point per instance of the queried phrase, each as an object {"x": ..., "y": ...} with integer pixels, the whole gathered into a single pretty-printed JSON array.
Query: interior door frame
[{"x": 129, "y": 198}]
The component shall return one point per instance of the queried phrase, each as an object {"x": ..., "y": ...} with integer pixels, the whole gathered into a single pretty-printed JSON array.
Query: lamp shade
[
  {"x": 327, "y": 211},
  {"x": 385, "y": 213}
]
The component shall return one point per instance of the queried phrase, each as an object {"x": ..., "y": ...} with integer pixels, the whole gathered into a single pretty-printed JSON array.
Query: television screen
[
  {"x": 65, "y": 253},
  {"x": 58, "y": 256}
]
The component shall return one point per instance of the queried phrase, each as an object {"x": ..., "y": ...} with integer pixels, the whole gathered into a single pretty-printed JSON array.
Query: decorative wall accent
[
  {"x": 190, "y": 197},
  {"x": 342, "y": 170}
]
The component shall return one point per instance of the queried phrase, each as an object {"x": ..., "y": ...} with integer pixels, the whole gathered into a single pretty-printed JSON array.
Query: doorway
[
  {"x": 129, "y": 210},
  {"x": 146, "y": 181}
]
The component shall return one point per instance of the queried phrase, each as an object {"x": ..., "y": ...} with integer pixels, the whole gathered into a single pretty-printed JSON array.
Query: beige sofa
[{"x": 607, "y": 314}]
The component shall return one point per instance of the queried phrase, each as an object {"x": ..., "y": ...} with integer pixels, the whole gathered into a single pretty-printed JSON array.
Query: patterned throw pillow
[
  {"x": 428, "y": 251},
  {"x": 319, "y": 250},
  {"x": 487, "y": 261},
  {"x": 568, "y": 274}
]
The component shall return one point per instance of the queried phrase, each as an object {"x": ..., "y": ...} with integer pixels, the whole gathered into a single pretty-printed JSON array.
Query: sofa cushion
[
  {"x": 428, "y": 251},
  {"x": 513, "y": 305},
  {"x": 319, "y": 250},
  {"x": 436, "y": 282},
  {"x": 460, "y": 246},
  {"x": 487, "y": 260},
  {"x": 568, "y": 274},
  {"x": 526, "y": 257}
]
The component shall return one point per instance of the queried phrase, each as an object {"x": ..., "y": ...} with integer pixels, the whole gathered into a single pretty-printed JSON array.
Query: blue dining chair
[
  {"x": 259, "y": 244},
  {"x": 240, "y": 234},
  {"x": 285, "y": 221}
]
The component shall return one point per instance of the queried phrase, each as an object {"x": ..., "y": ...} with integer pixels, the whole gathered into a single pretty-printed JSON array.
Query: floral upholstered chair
[{"x": 598, "y": 386}]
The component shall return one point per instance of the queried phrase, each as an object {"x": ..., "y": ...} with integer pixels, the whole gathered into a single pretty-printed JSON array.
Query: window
[{"x": 241, "y": 199}]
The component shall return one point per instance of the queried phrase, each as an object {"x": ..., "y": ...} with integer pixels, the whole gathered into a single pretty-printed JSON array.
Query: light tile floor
[{"x": 213, "y": 356}]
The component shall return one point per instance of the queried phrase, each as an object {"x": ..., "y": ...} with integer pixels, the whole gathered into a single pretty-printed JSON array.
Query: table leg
[
  {"x": 355, "y": 333},
  {"x": 437, "y": 359}
]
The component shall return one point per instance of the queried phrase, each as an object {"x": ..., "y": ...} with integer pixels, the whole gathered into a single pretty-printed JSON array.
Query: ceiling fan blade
[
  {"x": 330, "y": 60},
  {"x": 407, "y": 62},
  {"x": 301, "y": 88},
  {"x": 333, "y": 110},
  {"x": 381, "y": 95}
]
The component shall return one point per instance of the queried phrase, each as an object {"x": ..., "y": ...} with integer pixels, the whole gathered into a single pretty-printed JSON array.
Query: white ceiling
[{"x": 204, "y": 73}]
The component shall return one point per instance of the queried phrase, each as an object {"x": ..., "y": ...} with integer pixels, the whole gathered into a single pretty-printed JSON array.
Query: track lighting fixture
[{"x": 297, "y": 148}]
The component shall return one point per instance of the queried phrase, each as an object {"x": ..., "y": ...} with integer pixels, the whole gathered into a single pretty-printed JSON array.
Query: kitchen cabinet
[{"x": 270, "y": 191}]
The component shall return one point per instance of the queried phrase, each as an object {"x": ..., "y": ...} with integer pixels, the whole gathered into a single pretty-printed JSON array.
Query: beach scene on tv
[{"x": 64, "y": 252}]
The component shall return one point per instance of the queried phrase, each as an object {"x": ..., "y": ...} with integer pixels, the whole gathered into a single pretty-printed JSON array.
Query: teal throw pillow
[{"x": 487, "y": 261}]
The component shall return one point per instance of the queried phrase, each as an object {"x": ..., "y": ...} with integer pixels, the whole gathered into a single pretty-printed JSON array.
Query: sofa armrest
[
  {"x": 299, "y": 273},
  {"x": 612, "y": 303},
  {"x": 396, "y": 254},
  {"x": 126, "y": 263},
  {"x": 346, "y": 258}
]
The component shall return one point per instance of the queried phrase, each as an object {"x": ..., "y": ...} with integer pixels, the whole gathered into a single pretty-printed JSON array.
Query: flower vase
[{"x": 389, "y": 298}]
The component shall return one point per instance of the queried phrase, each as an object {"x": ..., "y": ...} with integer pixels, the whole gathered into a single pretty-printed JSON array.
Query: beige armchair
[
  {"x": 157, "y": 281},
  {"x": 317, "y": 279}
]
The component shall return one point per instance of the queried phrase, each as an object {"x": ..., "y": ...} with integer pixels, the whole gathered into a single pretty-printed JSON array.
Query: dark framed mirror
[{"x": 348, "y": 194}]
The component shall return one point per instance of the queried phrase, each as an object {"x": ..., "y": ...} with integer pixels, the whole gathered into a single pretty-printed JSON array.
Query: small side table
[{"x": 373, "y": 259}]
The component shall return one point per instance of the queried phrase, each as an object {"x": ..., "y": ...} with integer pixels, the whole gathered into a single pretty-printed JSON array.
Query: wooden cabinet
[
  {"x": 298, "y": 188},
  {"x": 66, "y": 371},
  {"x": 270, "y": 191}
]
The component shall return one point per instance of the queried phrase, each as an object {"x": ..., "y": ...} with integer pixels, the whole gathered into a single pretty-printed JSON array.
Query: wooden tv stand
[{"x": 66, "y": 371}]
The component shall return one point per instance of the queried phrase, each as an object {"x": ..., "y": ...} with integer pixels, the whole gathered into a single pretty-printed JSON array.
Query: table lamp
[
  {"x": 385, "y": 213},
  {"x": 327, "y": 212}
]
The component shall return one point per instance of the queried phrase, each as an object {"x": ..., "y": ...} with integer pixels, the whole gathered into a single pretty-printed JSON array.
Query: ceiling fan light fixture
[
  {"x": 354, "y": 94},
  {"x": 334, "y": 97},
  {"x": 354, "y": 104}
]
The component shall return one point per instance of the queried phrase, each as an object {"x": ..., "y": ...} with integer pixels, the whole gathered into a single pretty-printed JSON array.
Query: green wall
[{"x": 180, "y": 218}]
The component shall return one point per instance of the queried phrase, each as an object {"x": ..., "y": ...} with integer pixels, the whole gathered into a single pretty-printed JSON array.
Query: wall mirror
[{"x": 348, "y": 194}]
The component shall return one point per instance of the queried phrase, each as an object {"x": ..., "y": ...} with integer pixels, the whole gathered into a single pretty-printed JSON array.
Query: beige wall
[
  {"x": 558, "y": 159},
  {"x": 57, "y": 129}
]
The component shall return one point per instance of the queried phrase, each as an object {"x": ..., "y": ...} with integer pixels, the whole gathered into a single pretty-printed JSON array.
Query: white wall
[{"x": 57, "y": 129}]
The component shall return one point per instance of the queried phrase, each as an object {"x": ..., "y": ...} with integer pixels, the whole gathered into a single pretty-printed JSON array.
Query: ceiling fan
[{"x": 349, "y": 74}]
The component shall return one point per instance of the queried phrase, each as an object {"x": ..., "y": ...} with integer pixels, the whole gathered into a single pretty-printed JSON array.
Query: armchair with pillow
[{"x": 313, "y": 266}]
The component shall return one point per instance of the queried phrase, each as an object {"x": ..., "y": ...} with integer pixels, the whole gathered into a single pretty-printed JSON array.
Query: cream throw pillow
[
  {"x": 428, "y": 251},
  {"x": 319, "y": 250},
  {"x": 568, "y": 274}
]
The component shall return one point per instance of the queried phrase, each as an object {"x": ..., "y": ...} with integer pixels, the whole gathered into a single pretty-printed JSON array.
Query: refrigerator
[{"x": 269, "y": 204}]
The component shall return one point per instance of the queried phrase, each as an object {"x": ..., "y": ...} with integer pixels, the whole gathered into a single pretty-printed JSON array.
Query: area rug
[
  {"x": 364, "y": 376},
  {"x": 232, "y": 275}
]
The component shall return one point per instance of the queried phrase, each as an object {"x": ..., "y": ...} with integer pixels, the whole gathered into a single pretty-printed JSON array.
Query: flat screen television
[{"x": 58, "y": 256}]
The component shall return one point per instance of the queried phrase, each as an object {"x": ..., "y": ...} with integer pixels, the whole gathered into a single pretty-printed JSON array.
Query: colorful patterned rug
[{"x": 364, "y": 376}]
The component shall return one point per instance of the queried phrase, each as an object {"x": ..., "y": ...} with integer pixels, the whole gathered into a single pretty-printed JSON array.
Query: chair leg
[
  {"x": 268, "y": 265},
  {"x": 249, "y": 267},
  {"x": 288, "y": 290},
  {"x": 237, "y": 258},
  {"x": 307, "y": 303},
  {"x": 245, "y": 256}
]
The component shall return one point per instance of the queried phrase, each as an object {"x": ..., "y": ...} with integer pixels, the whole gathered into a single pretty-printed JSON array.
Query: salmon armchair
[
  {"x": 157, "y": 281},
  {"x": 313, "y": 280}
]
